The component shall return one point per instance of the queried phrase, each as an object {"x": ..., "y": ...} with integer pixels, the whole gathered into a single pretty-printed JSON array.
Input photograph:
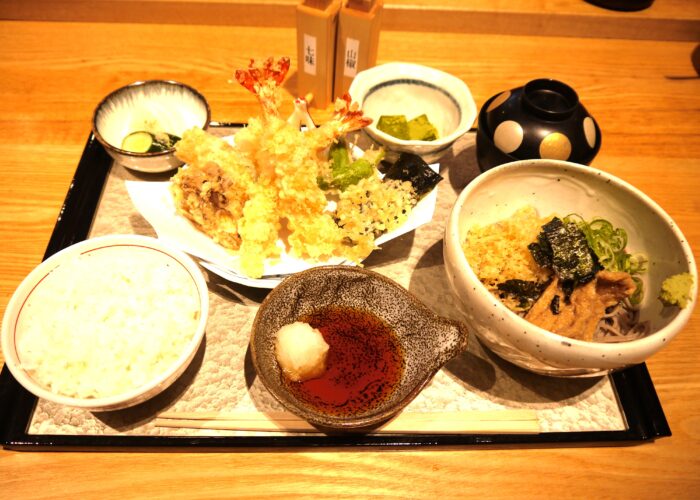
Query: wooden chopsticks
[{"x": 453, "y": 422}]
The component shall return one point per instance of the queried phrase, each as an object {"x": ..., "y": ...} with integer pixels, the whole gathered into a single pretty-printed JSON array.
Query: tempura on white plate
[{"x": 267, "y": 186}]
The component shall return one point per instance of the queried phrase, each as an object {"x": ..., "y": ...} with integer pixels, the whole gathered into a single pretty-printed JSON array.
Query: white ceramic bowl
[
  {"x": 174, "y": 107},
  {"x": 42, "y": 292},
  {"x": 557, "y": 187},
  {"x": 411, "y": 90}
]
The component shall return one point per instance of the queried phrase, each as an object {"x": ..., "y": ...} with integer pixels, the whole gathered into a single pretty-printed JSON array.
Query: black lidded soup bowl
[
  {"x": 426, "y": 340},
  {"x": 543, "y": 119}
]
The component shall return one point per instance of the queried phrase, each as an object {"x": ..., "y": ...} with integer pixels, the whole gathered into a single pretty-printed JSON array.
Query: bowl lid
[{"x": 544, "y": 119}]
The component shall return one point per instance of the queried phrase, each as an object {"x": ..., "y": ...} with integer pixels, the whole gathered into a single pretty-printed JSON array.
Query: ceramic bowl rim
[
  {"x": 135, "y": 395},
  {"x": 135, "y": 85},
  {"x": 648, "y": 343},
  {"x": 331, "y": 421},
  {"x": 465, "y": 101}
]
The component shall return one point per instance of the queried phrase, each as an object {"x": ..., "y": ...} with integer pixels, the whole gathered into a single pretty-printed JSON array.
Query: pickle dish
[
  {"x": 139, "y": 124},
  {"x": 418, "y": 93}
]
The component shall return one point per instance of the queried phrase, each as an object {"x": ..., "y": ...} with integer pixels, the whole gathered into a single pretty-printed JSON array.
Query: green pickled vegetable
[
  {"x": 142, "y": 141},
  {"x": 137, "y": 142},
  {"x": 416, "y": 129},
  {"x": 420, "y": 129},
  {"x": 395, "y": 125}
]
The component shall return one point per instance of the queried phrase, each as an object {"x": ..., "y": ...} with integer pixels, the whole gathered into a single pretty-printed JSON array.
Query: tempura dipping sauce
[{"x": 363, "y": 367}]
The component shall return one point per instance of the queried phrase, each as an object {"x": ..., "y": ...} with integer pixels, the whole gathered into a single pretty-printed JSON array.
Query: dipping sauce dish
[{"x": 414, "y": 344}]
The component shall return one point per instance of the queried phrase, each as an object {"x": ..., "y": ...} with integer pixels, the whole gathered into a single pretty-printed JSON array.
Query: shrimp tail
[
  {"x": 347, "y": 118},
  {"x": 263, "y": 80},
  {"x": 348, "y": 115}
]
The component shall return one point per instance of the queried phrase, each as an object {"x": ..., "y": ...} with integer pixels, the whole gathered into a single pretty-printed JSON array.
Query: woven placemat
[{"x": 222, "y": 378}]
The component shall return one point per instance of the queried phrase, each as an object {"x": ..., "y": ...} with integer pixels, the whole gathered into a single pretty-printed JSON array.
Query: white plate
[{"x": 155, "y": 203}]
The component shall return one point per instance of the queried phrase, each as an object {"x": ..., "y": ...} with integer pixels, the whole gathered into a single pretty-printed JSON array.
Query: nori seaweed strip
[
  {"x": 568, "y": 288},
  {"x": 572, "y": 259},
  {"x": 541, "y": 251},
  {"x": 554, "y": 304},
  {"x": 412, "y": 168},
  {"x": 526, "y": 292}
]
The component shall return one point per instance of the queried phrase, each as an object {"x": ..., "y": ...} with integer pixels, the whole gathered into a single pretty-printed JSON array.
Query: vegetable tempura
[{"x": 266, "y": 189}]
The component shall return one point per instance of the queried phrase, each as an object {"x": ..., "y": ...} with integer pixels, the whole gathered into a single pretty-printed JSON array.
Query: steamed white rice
[{"x": 107, "y": 322}]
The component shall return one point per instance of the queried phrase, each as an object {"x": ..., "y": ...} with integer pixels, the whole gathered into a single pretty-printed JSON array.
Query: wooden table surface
[{"x": 645, "y": 95}]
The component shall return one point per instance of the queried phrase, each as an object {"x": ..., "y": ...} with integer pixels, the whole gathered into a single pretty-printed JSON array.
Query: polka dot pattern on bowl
[{"x": 541, "y": 120}]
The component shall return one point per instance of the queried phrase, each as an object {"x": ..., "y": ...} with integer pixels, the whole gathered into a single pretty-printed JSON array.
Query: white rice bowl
[{"x": 106, "y": 323}]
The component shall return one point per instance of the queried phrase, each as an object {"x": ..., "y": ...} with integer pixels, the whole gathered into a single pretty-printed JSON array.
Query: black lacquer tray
[{"x": 642, "y": 411}]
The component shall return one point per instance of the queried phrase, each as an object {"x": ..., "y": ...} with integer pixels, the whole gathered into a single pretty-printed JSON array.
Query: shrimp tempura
[
  {"x": 264, "y": 189},
  {"x": 264, "y": 81}
]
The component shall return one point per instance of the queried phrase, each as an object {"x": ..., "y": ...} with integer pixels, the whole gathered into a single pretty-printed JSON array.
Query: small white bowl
[
  {"x": 35, "y": 297},
  {"x": 174, "y": 107},
  {"x": 411, "y": 90},
  {"x": 558, "y": 187}
]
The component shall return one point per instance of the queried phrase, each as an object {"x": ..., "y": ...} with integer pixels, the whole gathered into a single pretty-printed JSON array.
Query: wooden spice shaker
[
  {"x": 358, "y": 39},
  {"x": 317, "y": 22}
]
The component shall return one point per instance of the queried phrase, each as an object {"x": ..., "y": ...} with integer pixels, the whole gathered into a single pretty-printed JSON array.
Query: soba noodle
[{"x": 499, "y": 254}]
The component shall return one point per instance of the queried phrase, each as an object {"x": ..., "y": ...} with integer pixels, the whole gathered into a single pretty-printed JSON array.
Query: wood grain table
[{"x": 645, "y": 95}]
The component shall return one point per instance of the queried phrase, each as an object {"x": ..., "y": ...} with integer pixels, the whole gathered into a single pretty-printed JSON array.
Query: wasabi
[{"x": 675, "y": 290}]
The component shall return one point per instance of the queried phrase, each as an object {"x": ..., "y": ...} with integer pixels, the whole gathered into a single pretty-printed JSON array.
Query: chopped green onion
[{"x": 609, "y": 243}]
